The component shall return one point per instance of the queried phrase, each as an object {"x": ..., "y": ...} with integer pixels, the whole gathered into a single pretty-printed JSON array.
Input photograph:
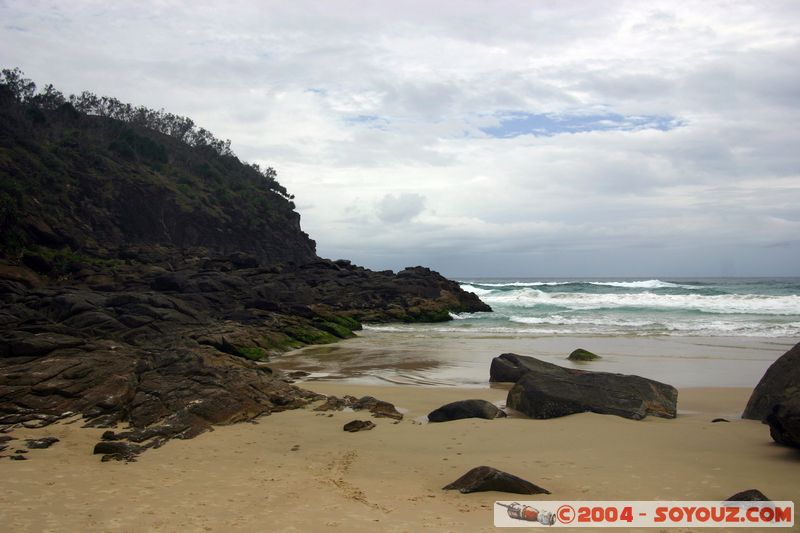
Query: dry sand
[{"x": 247, "y": 478}]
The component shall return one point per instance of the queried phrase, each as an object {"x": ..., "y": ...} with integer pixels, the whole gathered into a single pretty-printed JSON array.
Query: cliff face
[
  {"x": 99, "y": 185},
  {"x": 148, "y": 281}
]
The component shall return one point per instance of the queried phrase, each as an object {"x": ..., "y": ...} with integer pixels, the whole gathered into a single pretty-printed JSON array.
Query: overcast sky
[{"x": 484, "y": 138}]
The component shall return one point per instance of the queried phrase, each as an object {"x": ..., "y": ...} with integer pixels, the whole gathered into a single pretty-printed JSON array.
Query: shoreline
[
  {"x": 444, "y": 360},
  {"x": 248, "y": 477}
]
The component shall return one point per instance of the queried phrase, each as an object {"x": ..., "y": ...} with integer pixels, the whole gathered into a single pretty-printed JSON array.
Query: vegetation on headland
[{"x": 86, "y": 173}]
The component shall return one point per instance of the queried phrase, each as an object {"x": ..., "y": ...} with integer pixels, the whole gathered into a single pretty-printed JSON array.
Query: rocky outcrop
[
  {"x": 486, "y": 478},
  {"x": 545, "y": 390},
  {"x": 465, "y": 409},
  {"x": 146, "y": 281},
  {"x": 780, "y": 383}
]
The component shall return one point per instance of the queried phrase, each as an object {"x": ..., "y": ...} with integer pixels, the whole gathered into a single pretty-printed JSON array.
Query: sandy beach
[{"x": 247, "y": 477}]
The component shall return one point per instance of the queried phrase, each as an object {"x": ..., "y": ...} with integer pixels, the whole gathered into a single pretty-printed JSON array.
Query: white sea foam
[
  {"x": 477, "y": 290},
  {"x": 604, "y": 321},
  {"x": 723, "y": 304},
  {"x": 648, "y": 284}
]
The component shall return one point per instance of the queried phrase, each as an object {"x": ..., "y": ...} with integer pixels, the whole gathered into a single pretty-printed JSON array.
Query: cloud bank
[{"x": 513, "y": 138}]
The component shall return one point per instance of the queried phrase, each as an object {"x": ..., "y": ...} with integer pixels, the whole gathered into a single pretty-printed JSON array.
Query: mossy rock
[
  {"x": 338, "y": 330},
  {"x": 418, "y": 314},
  {"x": 254, "y": 353},
  {"x": 583, "y": 355},
  {"x": 310, "y": 335}
]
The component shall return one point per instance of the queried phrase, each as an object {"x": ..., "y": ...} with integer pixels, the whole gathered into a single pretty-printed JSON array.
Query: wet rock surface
[
  {"x": 486, "y": 478},
  {"x": 545, "y": 390},
  {"x": 466, "y": 409}
]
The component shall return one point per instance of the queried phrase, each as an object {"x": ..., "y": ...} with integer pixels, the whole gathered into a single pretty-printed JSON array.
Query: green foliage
[
  {"x": 65, "y": 260},
  {"x": 72, "y": 162},
  {"x": 14, "y": 84},
  {"x": 134, "y": 147}
]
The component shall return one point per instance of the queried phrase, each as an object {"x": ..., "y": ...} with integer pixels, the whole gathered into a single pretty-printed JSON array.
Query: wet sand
[
  {"x": 247, "y": 478},
  {"x": 462, "y": 360}
]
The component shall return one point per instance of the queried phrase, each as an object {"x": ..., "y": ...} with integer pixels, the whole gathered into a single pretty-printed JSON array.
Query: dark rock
[
  {"x": 378, "y": 408},
  {"x": 465, "y": 409},
  {"x": 719, "y": 420},
  {"x": 6, "y": 438},
  {"x": 298, "y": 374},
  {"x": 486, "y": 478},
  {"x": 21, "y": 451},
  {"x": 780, "y": 383},
  {"x": 784, "y": 422},
  {"x": 332, "y": 403},
  {"x": 583, "y": 355},
  {"x": 20, "y": 275},
  {"x": 117, "y": 450},
  {"x": 243, "y": 260},
  {"x": 17, "y": 457},
  {"x": 546, "y": 390},
  {"x": 41, "y": 344},
  {"x": 509, "y": 367},
  {"x": 44, "y": 442},
  {"x": 750, "y": 495},
  {"x": 358, "y": 425}
]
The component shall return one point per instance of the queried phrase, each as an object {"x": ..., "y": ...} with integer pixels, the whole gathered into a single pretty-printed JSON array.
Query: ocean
[
  {"x": 753, "y": 307},
  {"x": 686, "y": 332}
]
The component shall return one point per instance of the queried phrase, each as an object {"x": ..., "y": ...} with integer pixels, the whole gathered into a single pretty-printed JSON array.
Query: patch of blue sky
[
  {"x": 371, "y": 121},
  {"x": 514, "y": 124}
]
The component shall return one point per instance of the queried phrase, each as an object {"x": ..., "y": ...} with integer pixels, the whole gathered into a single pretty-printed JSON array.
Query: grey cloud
[
  {"x": 395, "y": 208},
  {"x": 723, "y": 184}
]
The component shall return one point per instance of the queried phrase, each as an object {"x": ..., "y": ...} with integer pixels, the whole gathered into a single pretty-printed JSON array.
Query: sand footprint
[{"x": 336, "y": 471}]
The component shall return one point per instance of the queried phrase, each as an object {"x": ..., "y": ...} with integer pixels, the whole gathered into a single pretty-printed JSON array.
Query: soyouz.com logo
[{"x": 643, "y": 514}]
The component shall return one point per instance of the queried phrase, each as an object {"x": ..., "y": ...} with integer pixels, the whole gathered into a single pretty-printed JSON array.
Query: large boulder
[
  {"x": 545, "y": 390},
  {"x": 784, "y": 422},
  {"x": 465, "y": 409},
  {"x": 780, "y": 383},
  {"x": 509, "y": 367}
]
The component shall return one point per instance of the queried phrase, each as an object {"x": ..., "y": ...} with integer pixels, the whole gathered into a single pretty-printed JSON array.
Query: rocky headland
[{"x": 147, "y": 274}]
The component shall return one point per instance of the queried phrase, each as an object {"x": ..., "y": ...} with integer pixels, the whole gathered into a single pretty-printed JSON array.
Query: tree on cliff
[{"x": 13, "y": 83}]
